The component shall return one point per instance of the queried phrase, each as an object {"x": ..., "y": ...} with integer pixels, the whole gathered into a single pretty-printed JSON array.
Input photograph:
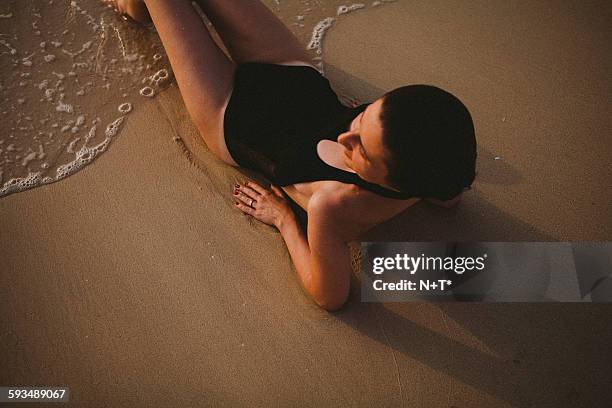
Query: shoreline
[{"x": 135, "y": 282}]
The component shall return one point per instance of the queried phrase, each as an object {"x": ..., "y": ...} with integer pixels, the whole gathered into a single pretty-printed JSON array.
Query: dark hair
[{"x": 429, "y": 136}]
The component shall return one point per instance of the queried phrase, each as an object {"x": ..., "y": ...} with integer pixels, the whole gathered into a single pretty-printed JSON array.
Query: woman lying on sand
[{"x": 265, "y": 107}]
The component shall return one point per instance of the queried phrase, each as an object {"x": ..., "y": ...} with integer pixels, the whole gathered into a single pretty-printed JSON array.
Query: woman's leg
[
  {"x": 252, "y": 33},
  {"x": 203, "y": 72},
  {"x": 136, "y": 9}
]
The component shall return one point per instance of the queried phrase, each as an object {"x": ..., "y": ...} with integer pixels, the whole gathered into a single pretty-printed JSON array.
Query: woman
[{"x": 267, "y": 108}]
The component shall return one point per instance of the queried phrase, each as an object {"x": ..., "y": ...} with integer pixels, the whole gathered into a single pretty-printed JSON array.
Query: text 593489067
[{"x": 34, "y": 394}]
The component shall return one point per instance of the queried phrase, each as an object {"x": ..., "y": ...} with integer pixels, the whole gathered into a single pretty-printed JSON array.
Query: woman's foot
[{"x": 135, "y": 9}]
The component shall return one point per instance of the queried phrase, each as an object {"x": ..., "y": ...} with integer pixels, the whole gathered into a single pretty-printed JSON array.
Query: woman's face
[{"x": 363, "y": 147}]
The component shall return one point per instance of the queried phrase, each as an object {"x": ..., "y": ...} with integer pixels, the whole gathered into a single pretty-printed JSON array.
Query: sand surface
[{"x": 136, "y": 283}]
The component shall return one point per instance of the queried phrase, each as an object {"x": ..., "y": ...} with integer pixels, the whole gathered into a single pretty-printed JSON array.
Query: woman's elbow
[{"x": 331, "y": 304}]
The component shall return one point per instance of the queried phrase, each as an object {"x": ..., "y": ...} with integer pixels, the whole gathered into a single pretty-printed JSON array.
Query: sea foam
[
  {"x": 89, "y": 71},
  {"x": 81, "y": 67}
]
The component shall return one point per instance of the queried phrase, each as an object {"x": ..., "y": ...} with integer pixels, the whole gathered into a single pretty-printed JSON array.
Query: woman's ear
[{"x": 347, "y": 139}]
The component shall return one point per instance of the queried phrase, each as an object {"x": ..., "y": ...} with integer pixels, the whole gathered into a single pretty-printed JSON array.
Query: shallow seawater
[{"x": 71, "y": 71}]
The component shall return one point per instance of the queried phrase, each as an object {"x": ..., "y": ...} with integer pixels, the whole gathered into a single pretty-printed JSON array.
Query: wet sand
[{"x": 136, "y": 283}]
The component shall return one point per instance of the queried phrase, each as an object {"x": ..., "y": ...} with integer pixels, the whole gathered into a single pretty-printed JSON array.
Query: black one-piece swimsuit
[{"x": 275, "y": 118}]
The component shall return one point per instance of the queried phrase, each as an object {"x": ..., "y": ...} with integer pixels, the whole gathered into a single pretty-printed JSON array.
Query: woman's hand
[{"x": 269, "y": 207}]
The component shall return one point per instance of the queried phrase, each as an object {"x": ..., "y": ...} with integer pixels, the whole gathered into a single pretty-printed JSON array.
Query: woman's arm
[{"x": 321, "y": 259}]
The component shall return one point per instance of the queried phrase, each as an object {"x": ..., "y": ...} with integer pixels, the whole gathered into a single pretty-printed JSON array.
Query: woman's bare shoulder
[{"x": 350, "y": 204}]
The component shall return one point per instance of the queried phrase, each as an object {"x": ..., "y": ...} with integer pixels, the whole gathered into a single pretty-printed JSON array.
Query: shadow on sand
[{"x": 529, "y": 343}]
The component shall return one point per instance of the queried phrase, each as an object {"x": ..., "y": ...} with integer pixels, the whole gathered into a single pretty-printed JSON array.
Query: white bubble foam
[
  {"x": 12, "y": 50},
  {"x": 70, "y": 148},
  {"x": 160, "y": 75},
  {"x": 147, "y": 91},
  {"x": 348, "y": 9},
  {"x": 63, "y": 107},
  {"x": 20, "y": 183},
  {"x": 154, "y": 80},
  {"x": 113, "y": 127},
  {"x": 125, "y": 108},
  {"x": 28, "y": 158},
  {"x": 317, "y": 34},
  {"x": 86, "y": 154}
]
